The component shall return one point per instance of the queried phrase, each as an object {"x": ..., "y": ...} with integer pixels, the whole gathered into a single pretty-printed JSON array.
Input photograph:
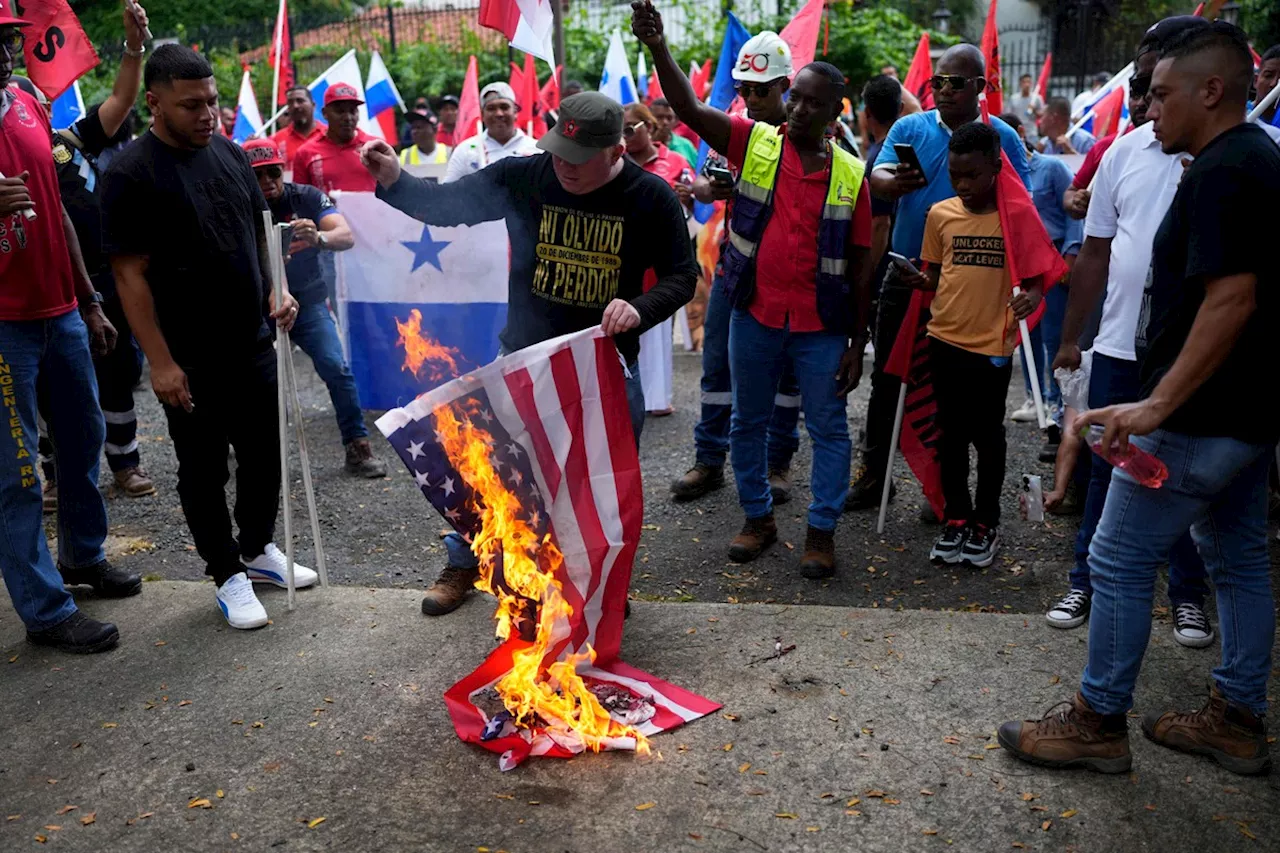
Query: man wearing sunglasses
[
  {"x": 763, "y": 74},
  {"x": 956, "y": 87}
]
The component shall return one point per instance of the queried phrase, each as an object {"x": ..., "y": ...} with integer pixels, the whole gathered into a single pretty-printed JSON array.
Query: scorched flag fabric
[{"x": 538, "y": 447}]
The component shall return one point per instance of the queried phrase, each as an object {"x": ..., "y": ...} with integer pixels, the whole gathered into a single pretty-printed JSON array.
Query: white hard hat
[{"x": 763, "y": 58}]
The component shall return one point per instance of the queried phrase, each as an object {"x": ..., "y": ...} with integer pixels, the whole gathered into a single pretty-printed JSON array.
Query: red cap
[
  {"x": 6, "y": 16},
  {"x": 263, "y": 152},
  {"x": 339, "y": 92}
]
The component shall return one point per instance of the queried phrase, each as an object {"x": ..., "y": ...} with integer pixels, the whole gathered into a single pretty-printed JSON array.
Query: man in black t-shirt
[
  {"x": 585, "y": 224},
  {"x": 1204, "y": 338},
  {"x": 183, "y": 227},
  {"x": 317, "y": 227}
]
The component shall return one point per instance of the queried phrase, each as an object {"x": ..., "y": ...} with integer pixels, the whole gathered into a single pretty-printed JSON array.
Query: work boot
[
  {"x": 780, "y": 484},
  {"x": 106, "y": 580},
  {"x": 757, "y": 534},
  {"x": 77, "y": 634},
  {"x": 361, "y": 461},
  {"x": 134, "y": 482},
  {"x": 50, "y": 498},
  {"x": 449, "y": 591},
  {"x": 1071, "y": 734},
  {"x": 1053, "y": 438},
  {"x": 1232, "y": 736},
  {"x": 865, "y": 490},
  {"x": 697, "y": 481},
  {"x": 819, "y": 560}
]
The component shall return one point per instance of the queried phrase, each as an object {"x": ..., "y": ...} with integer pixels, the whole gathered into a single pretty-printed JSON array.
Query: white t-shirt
[{"x": 479, "y": 151}]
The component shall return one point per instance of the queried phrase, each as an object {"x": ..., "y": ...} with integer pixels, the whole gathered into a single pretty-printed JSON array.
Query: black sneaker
[
  {"x": 1191, "y": 627},
  {"x": 1071, "y": 611},
  {"x": 865, "y": 491},
  {"x": 77, "y": 634},
  {"x": 949, "y": 545},
  {"x": 980, "y": 546},
  {"x": 1049, "y": 453}
]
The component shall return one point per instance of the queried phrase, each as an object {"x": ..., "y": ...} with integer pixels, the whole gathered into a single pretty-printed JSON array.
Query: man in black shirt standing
[
  {"x": 1204, "y": 336},
  {"x": 183, "y": 227},
  {"x": 585, "y": 224}
]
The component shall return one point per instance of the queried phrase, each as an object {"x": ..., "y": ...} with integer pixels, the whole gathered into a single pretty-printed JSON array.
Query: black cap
[
  {"x": 447, "y": 99},
  {"x": 1162, "y": 33},
  {"x": 589, "y": 122},
  {"x": 421, "y": 115}
]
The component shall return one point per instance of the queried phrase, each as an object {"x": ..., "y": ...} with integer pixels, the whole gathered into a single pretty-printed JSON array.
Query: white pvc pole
[
  {"x": 1029, "y": 366},
  {"x": 282, "y": 347},
  {"x": 1119, "y": 79},
  {"x": 893, "y": 449},
  {"x": 305, "y": 460},
  {"x": 1265, "y": 104}
]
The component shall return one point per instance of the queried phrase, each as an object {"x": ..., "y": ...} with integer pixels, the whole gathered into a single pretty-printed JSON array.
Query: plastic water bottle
[{"x": 1136, "y": 462}]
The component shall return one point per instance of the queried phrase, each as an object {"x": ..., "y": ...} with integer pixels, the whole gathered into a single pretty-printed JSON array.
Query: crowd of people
[{"x": 1147, "y": 266}]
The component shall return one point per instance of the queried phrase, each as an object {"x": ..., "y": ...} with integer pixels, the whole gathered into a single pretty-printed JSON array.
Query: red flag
[
  {"x": 516, "y": 82},
  {"x": 468, "y": 105},
  {"x": 917, "y": 82},
  {"x": 699, "y": 78},
  {"x": 57, "y": 51},
  {"x": 282, "y": 65},
  {"x": 801, "y": 35},
  {"x": 909, "y": 361},
  {"x": 549, "y": 95},
  {"x": 990, "y": 47},
  {"x": 500, "y": 15},
  {"x": 655, "y": 89},
  {"x": 1107, "y": 112},
  {"x": 536, "y": 126},
  {"x": 1042, "y": 85}
]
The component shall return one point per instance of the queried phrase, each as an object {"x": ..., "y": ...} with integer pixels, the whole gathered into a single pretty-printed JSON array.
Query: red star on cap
[{"x": 570, "y": 129}]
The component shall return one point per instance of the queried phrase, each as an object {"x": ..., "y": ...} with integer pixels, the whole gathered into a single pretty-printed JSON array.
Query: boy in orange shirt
[{"x": 972, "y": 336}]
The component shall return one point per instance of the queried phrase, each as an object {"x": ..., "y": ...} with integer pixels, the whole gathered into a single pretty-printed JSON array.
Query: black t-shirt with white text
[
  {"x": 195, "y": 215},
  {"x": 1217, "y": 227},
  {"x": 571, "y": 255}
]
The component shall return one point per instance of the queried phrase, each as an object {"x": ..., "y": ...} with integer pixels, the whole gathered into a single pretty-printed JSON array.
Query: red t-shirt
[
  {"x": 445, "y": 137},
  {"x": 786, "y": 293},
  {"x": 35, "y": 264},
  {"x": 673, "y": 169},
  {"x": 289, "y": 140},
  {"x": 328, "y": 166}
]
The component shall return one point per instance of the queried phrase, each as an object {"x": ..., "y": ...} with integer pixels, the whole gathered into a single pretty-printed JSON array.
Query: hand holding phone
[
  {"x": 907, "y": 272},
  {"x": 720, "y": 175},
  {"x": 909, "y": 175}
]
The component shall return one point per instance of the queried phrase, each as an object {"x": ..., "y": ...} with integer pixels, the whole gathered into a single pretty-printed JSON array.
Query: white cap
[
  {"x": 497, "y": 90},
  {"x": 763, "y": 58}
]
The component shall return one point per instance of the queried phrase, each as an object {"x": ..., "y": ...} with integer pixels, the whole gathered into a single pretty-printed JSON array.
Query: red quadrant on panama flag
[{"x": 57, "y": 50}]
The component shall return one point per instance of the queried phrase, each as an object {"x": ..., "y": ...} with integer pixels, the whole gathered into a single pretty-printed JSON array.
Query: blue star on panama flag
[{"x": 425, "y": 250}]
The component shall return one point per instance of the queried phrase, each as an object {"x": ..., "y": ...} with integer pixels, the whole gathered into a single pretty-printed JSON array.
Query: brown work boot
[
  {"x": 697, "y": 481},
  {"x": 50, "y": 498},
  {"x": 1232, "y": 736},
  {"x": 134, "y": 482},
  {"x": 362, "y": 462},
  {"x": 780, "y": 485},
  {"x": 757, "y": 534},
  {"x": 449, "y": 591},
  {"x": 819, "y": 560},
  {"x": 1071, "y": 734}
]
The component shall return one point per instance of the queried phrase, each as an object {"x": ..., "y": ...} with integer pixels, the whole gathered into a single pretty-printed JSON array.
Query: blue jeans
[
  {"x": 1045, "y": 338},
  {"x": 317, "y": 334},
  {"x": 46, "y": 364},
  {"x": 758, "y": 355},
  {"x": 711, "y": 435},
  {"x": 1113, "y": 381},
  {"x": 1218, "y": 488},
  {"x": 457, "y": 548}
]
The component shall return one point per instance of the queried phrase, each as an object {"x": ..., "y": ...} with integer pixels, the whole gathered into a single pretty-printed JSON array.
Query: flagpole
[
  {"x": 275, "y": 77},
  {"x": 282, "y": 380},
  {"x": 893, "y": 450},
  {"x": 1119, "y": 79},
  {"x": 1029, "y": 367},
  {"x": 1265, "y": 104}
]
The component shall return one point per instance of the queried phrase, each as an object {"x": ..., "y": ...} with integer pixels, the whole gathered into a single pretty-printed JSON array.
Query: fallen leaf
[
  {"x": 1070, "y": 813},
  {"x": 928, "y": 832},
  {"x": 200, "y": 803},
  {"x": 1045, "y": 826},
  {"x": 65, "y": 809},
  {"x": 52, "y": 827},
  {"x": 219, "y": 794},
  {"x": 644, "y": 807},
  {"x": 786, "y": 815},
  {"x": 41, "y": 838},
  {"x": 1055, "y": 680},
  {"x": 954, "y": 741},
  {"x": 875, "y": 792},
  {"x": 853, "y": 802},
  {"x": 853, "y": 812},
  {"x": 812, "y": 829},
  {"x": 1039, "y": 809},
  {"x": 505, "y": 796},
  {"x": 259, "y": 724},
  {"x": 1028, "y": 797},
  {"x": 727, "y": 747},
  {"x": 992, "y": 746},
  {"x": 745, "y": 767},
  {"x": 13, "y": 659},
  {"x": 52, "y": 781},
  {"x": 91, "y": 817},
  {"x": 890, "y": 801},
  {"x": 13, "y": 817},
  {"x": 1247, "y": 834},
  {"x": 1149, "y": 807},
  {"x": 695, "y": 836},
  {"x": 271, "y": 766},
  {"x": 184, "y": 703},
  {"x": 314, "y": 822},
  {"x": 826, "y": 796},
  {"x": 235, "y": 836},
  {"x": 161, "y": 643},
  {"x": 1019, "y": 845},
  {"x": 109, "y": 725},
  {"x": 925, "y": 792},
  {"x": 733, "y": 718}
]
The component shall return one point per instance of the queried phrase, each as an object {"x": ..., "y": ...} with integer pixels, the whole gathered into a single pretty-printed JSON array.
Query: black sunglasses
[
  {"x": 761, "y": 90},
  {"x": 631, "y": 130},
  {"x": 1139, "y": 86},
  {"x": 273, "y": 172},
  {"x": 12, "y": 42},
  {"x": 956, "y": 81}
]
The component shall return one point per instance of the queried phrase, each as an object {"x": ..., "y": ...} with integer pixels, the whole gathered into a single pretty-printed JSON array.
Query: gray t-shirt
[{"x": 1026, "y": 108}]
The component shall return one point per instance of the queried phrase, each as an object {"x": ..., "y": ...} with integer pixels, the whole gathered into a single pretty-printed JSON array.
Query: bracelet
[{"x": 135, "y": 54}]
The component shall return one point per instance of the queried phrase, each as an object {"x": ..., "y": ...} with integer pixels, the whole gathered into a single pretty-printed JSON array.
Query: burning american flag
[{"x": 532, "y": 459}]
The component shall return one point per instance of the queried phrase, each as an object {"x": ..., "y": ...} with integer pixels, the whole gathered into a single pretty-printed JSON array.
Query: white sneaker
[
  {"x": 1026, "y": 414},
  {"x": 239, "y": 605},
  {"x": 269, "y": 567}
]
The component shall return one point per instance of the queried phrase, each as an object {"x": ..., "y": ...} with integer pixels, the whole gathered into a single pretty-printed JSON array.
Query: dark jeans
[
  {"x": 1113, "y": 381},
  {"x": 235, "y": 406},
  {"x": 892, "y": 308},
  {"x": 970, "y": 390},
  {"x": 711, "y": 435},
  {"x": 118, "y": 374}
]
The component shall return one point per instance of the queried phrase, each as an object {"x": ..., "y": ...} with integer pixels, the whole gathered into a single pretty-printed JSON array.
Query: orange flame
[
  {"x": 421, "y": 351},
  {"x": 517, "y": 567}
]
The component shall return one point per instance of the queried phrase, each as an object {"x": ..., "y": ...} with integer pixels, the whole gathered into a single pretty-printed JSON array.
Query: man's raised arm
[{"x": 481, "y": 197}]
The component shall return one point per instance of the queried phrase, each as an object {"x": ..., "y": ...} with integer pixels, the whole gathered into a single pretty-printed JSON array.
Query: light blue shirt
[
  {"x": 1082, "y": 140},
  {"x": 1050, "y": 179},
  {"x": 927, "y": 134}
]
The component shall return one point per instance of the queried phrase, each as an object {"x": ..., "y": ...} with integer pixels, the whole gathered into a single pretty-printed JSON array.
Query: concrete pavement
[{"x": 876, "y": 733}]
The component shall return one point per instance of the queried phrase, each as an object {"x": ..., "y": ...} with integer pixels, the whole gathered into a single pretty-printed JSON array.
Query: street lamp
[
  {"x": 942, "y": 17},
  {"x": 1230, "y": 12}
]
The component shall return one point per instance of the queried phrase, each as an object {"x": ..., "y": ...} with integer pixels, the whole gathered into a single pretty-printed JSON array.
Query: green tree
[{"x": 1261, "y": 20}]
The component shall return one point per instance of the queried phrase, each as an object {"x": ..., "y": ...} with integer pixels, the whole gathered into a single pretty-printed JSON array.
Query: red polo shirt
[
  {"x": 289, "y": 140},
  {"x": 35, "y": 264},
  {"x": 786, "y": 293},
  {"x": 328, "y": 166}
]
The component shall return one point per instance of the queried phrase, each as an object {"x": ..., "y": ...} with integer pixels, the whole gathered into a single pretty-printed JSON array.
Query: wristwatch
[{"x": 322, "y": 241}]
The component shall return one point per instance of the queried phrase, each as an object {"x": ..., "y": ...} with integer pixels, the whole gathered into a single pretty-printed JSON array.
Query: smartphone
[
  {"x": 907, "y": 157},
  {"x": 720, "y": 175},
  {"x": 903, "y": 264},
  {"x": 1032, "y": 498}
]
